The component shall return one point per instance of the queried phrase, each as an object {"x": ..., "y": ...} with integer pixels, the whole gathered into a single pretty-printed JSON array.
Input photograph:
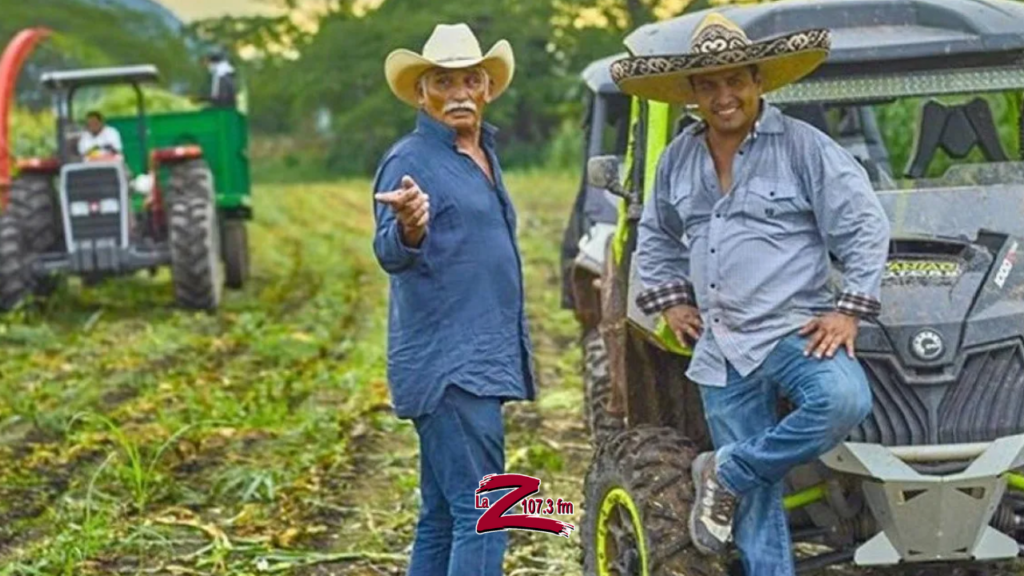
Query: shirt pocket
[
  {"x": 773, "y": 206},
  {"x": 680, "y": 218}
]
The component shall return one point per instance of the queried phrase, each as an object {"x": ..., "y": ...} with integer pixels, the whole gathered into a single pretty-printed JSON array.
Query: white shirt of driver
[{"x": 107, "y": 137}]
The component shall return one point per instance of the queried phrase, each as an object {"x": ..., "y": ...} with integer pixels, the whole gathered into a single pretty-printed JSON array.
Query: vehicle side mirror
[{"x": 606, "y": 172}]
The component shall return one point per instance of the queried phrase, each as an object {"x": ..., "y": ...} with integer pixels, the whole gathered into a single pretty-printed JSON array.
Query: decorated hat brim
[{"x": 780, "y": 61}]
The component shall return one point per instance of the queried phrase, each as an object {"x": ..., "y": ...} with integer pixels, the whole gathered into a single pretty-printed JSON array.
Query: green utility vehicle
[
  {"x": 177, "y": 197},
  {"x": 586, "y": 239},
  {"x": 934, "y": 476}
]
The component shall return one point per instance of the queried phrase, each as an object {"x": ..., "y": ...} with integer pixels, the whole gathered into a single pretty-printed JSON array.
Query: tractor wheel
[
  {"x": 597, "y": 385},
  {"x": 637, "y": 496},
  {"x": 236, "y": 253},
  {"x": 33, "y": 204},
  {"x": 15, "y": 280},
  {"x": 192, "y": 177},
  {"x": 195, "y": 250}
]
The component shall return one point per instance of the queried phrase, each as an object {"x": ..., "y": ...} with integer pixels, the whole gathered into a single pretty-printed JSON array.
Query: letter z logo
[{"x": 495, "y": 519}]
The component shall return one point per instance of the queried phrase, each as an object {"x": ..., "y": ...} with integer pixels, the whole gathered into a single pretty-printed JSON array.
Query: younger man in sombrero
[{"x": 747, "y": 205}]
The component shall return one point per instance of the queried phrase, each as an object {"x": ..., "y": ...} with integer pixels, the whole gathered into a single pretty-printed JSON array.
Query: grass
[{"x": 137, "y": 438}]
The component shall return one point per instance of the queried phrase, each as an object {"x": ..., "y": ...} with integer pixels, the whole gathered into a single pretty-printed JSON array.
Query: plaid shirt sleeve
[
  {"x": 852, "y": 222},
  {"x": 859, "y": 305},
  {"x": 662, "y": 260},
  {"x": 654, "y": 300}
]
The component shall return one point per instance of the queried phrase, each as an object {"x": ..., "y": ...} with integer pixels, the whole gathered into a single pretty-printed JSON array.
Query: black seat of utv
[{"x": 956, "y": 129}]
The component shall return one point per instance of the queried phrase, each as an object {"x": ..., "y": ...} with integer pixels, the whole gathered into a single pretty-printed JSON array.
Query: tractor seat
[
  {"x": 71, "y": 141},
  {"x": 956, "y": 129}
]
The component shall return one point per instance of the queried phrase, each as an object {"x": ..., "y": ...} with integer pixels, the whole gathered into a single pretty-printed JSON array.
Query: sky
[
  {"x": 197, "y": 9},
  {"x": 194, "y": 9}
]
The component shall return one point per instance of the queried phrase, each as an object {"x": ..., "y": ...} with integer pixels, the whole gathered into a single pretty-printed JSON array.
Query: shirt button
[
  {"x": 716, "y": 320},
  {"x": 714, "y": 286},
  {"x": 718, "y": 215},
  {"x": 712, "y": 250}
]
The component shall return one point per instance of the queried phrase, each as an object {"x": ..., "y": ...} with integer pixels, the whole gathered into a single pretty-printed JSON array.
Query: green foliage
[
  {"x": 122, "y": 101},
  {"x": 32, "y": 133},
  {"x": 565, "y": 151},
  {"x": 340, "y": 69},
  {"x": 268, "y": 36},
  {"x": 88, "y": 35}
]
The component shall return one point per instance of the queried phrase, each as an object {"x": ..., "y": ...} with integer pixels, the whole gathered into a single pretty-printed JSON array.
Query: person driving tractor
[{"x": 99, "y": 140}]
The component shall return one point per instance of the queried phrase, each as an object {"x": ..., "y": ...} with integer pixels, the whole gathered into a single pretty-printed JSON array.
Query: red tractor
[{"x": 94, "y": 218}]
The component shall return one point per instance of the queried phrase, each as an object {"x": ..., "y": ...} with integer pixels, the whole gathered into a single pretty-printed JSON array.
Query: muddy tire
[
  {"x": 15, "y": 280},
  {"x": 236, "y": 253},
  {"x": 637, "y": 497},
  {"x": 597, "y": 389},
  {"x": 195, "y": 238},
  {"x": 33, "y": 204},
  {"x": 191, "y": 178}
]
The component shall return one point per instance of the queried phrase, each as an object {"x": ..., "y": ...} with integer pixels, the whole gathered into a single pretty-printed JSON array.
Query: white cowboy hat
[
  {"x": 718, "y": 44},
  {"x": 449, "y": 46}
]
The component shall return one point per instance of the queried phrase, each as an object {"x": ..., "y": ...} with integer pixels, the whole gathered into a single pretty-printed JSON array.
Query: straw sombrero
[
  {"x": 449, "y": 46},
  {"x": 718, "y": 44}
]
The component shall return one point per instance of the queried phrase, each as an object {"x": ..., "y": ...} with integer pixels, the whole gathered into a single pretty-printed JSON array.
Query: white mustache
[{"x": 465, "y": 105}]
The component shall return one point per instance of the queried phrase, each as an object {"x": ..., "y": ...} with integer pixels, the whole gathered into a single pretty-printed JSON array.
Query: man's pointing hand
[{"x": 412, "y": 209}]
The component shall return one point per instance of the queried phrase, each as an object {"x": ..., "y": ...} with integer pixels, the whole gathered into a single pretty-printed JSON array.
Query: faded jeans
[
  {"x": 460, "y": 442},
  {"x": 756, "y": 450}
]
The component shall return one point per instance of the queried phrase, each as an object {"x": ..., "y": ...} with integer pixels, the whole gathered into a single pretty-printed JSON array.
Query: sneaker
[{"x": 713, "y": 507}]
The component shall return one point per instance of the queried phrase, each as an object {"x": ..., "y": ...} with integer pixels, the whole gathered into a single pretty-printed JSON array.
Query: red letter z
[{"x": 494, "y": 518}]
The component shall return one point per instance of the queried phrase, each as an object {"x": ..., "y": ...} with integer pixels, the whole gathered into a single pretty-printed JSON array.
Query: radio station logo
[{"x": 535, "y": 510}]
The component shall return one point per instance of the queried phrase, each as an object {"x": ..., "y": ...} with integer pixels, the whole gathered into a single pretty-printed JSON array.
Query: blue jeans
[
  {"x": 462, "y": 441},
  {"x": 755, "y": 449}
]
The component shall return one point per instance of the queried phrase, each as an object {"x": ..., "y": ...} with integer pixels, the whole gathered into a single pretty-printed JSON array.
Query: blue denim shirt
[
  {"x": 456, "y": 311},
  {"x": 755, "y": 260}
]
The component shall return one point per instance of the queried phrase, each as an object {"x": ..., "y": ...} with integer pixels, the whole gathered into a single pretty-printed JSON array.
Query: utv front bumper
[{"x": 926, "y": 518}]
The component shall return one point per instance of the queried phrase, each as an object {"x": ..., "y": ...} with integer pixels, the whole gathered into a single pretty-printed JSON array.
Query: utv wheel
[
  {"x": 236, "y": 253},
  {"x": 33, "y": 204},
  {"x": 195, "y": 238},
  {"x": 637, "y": 495},
  {"x": 15, "y": 280},
  {"x": 597, "y": 385}
]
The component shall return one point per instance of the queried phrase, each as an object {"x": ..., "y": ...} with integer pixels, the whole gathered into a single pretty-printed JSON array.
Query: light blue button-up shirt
[{"x": 756, "y": 258}]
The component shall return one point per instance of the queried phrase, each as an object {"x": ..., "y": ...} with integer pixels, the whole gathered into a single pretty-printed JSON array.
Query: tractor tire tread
[{"x": 192, "y": 221}]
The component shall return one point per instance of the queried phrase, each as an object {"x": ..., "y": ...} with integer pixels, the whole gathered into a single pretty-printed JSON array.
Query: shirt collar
[
  {"x": 768, "y": 122},
  {"x": 428, "y": 126}
]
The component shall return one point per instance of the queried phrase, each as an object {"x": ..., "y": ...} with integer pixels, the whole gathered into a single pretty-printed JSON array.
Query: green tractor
[
  {"x": 179, "y": 196},
  {"x": 932, "y": 481}
]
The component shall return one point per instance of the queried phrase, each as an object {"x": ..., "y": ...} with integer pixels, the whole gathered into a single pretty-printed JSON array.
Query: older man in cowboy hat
[
  {"x": 733, "y": 249},
  {"x": 458, "y": 343}
]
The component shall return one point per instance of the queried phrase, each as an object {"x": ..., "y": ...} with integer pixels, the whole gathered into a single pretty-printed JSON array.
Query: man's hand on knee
[
  {"x": 828, "y": 332},
  {"x": 685, "y": 323}
]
